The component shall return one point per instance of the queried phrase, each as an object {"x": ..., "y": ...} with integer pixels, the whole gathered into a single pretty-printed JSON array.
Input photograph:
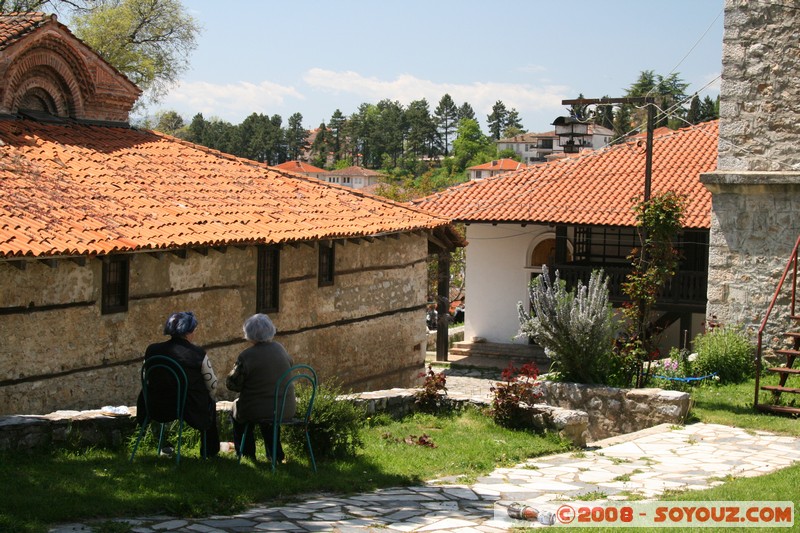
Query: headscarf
[{"x": 180, "y": 324}]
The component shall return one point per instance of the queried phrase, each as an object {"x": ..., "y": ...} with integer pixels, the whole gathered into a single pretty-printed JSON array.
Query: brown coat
[{"x": 254, "y": 377}]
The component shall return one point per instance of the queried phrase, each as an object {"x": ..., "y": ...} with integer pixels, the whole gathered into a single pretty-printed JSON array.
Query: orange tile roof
[
  {"x": 14, "y": 26},
  {"x": 77, "y": 189},
  {"x": 354, "y": 171},
  {"x": 594, "y": 188},
  {"x": 299, "y": 166},
  {"x": 501, "y": 165}
]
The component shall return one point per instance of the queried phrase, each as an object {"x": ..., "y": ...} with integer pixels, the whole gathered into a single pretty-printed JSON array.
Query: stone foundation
[
  {"x": 579, "y": 413},
  {"x": 618, "y": 411}
]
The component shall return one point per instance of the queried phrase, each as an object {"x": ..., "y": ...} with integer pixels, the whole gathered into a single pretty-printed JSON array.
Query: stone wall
[
  {"x": 618, "y": 411},
  {"x": 59, "y": 352},
  {"x": 579, "y": 413},
  {"x": 756, "y": 188}
]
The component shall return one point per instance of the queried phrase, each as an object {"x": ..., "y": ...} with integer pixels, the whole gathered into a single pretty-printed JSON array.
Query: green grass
[
  {"x": 93, "y": 484},
  {"x": 732, "y": 405},
  {"x": 66, "y": 486}
]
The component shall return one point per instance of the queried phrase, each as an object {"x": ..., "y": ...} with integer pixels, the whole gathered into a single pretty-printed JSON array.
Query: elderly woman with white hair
[{"x": 254, "y": 377}]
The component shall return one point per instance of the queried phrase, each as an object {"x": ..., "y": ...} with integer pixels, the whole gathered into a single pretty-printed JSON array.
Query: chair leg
[
  {"x": 241, "y": 445},
  {"x": 274, "y": 456},
  {"x": 138, "y": 439},
  {"x": 180, "y": 438},
  {"x": 310, "y": 451}
]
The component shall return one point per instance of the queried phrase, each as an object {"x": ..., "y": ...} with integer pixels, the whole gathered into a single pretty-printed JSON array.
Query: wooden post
[{"x": 443, "y": 305}]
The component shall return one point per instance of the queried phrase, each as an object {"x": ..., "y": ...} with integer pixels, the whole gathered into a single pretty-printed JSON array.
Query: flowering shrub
[
  {"x": 576, "y": 329},
  {"x": 432, "y": 397},
  {"x": 512, "y": 399},
  {"x": 670, "y": 373}
]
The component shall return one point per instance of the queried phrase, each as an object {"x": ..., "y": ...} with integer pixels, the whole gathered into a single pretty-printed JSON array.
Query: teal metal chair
[
  {"x": 295, "y": 373},
  {"x": 165, "y": 370}
]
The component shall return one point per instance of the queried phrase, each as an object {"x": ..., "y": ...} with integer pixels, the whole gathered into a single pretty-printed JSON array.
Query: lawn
[
  {"x": 82, "y": 484},
  {"x": 65, "y": 486}
]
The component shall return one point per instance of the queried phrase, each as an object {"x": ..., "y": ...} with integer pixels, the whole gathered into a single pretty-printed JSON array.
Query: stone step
[{"x": 498, "y": 354}]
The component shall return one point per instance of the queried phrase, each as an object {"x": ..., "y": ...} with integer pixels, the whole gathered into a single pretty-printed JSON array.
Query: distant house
[
  {"x": 493, "y": 168},
  {"x": 105, "y": 229},
  {"x": 533, "y": 148},
  {"x": 301, "y": 168},
  {"x": 575, "y": 215},
  {"x": 354, "y": 177}
]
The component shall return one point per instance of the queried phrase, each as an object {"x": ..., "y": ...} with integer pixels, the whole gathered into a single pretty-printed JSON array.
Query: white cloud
[
  {"x": 406, "y": 88},
  {"x": 229, "y": 100}
]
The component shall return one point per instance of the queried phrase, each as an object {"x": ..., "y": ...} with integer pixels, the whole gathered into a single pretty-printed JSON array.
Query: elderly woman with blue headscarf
[
  {"x": 254, "y": 377},
  {"x": 201, "y": 407}
]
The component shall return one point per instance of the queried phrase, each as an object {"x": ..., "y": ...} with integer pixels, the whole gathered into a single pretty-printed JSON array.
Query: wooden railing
[
  {"x": 685, "y": 288},
  {"x": 791, "y": 265}
]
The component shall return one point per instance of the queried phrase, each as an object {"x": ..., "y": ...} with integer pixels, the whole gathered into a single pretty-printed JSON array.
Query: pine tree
[
  {"x": 496, "y": 120},
  {"x": 446, "y": 115},
  {"x": 466, "y": 112}
]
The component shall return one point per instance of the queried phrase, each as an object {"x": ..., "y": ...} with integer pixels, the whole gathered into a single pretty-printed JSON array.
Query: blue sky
[{"x": 312, "y": 57}]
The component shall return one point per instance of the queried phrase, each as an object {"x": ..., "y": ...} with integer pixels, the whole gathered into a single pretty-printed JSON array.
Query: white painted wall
[{"x": 497, "y": 278}]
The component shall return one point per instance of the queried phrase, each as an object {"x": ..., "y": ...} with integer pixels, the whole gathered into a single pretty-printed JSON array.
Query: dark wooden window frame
[
  {"x": 116, "y": 279},
  {"x": 268, "y": 278},
  {"x": 327, "y": 263}
]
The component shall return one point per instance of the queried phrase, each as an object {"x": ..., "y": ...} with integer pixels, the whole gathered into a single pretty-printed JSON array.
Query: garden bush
[
  {"x": 432, "y": 397},
  {"x": 576, "y": 328},
  {"x": 515, "y": 396},
  {"x": 726, "y": 350},
  {"x": 335, "y": 424}
]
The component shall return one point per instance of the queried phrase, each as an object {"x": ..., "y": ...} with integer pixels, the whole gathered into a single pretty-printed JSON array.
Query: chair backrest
[
  {"x": 295, "y": 373},
  {"x": 165, "y": 379}
]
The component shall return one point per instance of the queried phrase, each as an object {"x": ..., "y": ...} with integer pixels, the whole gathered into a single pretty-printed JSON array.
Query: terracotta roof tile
[
  {"x": 300, "y": 166},
  {"x": 14, "y": 26},
  {"x": 500, "y": 165},
  {"x": 595, "y": 188},
  {"x": 74, "y": 189},
  {"x": 354, "y": 171}
]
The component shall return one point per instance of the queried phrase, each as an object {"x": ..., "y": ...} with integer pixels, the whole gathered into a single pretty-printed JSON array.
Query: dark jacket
[
  {"x": 200, "y": 411},
  {"x": 254, "y": 377}
]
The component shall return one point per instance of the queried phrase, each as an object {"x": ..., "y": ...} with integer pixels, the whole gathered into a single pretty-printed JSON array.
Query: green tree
[
  {"x": 693, "y": 115},
  {"x": 653, "y": 264},
  {"x": 336, "y": 125},
  {"x": 169, "y": 122},
  {"x": 604, "y": 116},
  {"x": 709, "y": 109},
  {"x": 497, "y": 119},
  {"x": 148, "y": 40},
  {"x": 296, "y": 137},
  {"x": 669, "y": 93},
  {"x": 513, "y": 124},
  {"x": 446, "y": 116},
  {"x": 422, "y": 139},
  {"x": 466, "y": 111},
  {"x": 470, "y": 145},
  {"x": 261, "y": 139},
  {"x": 319, "y": 148}
]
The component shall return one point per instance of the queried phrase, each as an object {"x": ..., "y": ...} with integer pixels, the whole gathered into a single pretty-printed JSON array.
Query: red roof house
[
  {"x": 105, "y": 229},
  {"x": 575, "y": 215}
]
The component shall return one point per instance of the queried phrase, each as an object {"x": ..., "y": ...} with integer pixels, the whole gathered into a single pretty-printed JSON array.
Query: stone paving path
[{"x": 645, "y": 463}]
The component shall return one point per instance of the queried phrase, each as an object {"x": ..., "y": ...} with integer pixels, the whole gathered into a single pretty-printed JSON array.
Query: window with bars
[
  {"x": 116, "y": 274},
  {"x": 604, "y": 245},
  {"x": 326, "y": 263},
  {"x": 268, "y": 279}
]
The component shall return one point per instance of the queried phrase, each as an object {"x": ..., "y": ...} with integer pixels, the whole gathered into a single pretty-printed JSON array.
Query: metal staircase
[{"x": 791, "y": 354}]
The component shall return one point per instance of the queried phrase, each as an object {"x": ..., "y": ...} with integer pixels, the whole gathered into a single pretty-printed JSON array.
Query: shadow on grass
[{"x": 67, "y": 487}]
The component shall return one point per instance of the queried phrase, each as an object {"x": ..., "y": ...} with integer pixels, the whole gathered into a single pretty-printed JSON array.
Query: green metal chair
[
  {"x": 164, "y": 369},
  {"x": 295, "y": 373}
]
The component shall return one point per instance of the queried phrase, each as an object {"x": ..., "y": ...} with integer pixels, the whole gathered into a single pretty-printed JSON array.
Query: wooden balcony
[{"x": 685, "y": 291}]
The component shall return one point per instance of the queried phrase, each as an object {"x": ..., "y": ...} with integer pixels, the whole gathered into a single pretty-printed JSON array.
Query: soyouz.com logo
[{"x": 653, "y": 514}]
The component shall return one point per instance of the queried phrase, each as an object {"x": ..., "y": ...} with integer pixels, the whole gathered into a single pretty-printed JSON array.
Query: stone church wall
[
  {"x": 756, "y": 188},
  {"x": 59, "y": 352}
]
